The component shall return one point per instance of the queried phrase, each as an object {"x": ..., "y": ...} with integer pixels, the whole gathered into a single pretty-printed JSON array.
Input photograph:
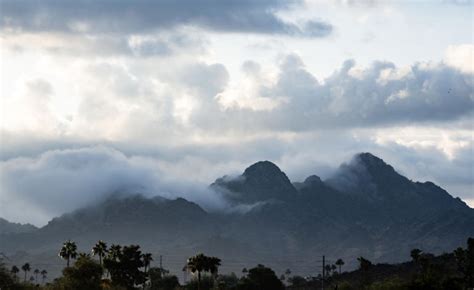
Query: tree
[
  {"x": 147, "y": 258},
  {"x": 68, "y": 251},
  {"x": 470, "y": 262},
  {"x": 415, "y": 255},
  {"x": 85, "y": 274},
  {"x": 297, "y": 281},
  {"x": 36, "y": 271},
  {"x": 44, "y": 274},
  {"x": 207, "y": 283},
  {"x": 159, "y": 279},
  {"x": 201, "y": 263},
  {"x": 261, "y": 278},
  {"x": 364, "y": 264},
  {"x": 15, "y": 271},
  {"x": 228, "y": 281},
  {"x": 26, "y": 268},
  {"x": 465, "y": 262},
  {"x": 83, "y": 255},
  {"x": 333, "y": 269},
  {"x": 340, "y": 263},
  {"x": 327, "y": 268},
  {"x": 124, "y": 266},
  {"x": 99, "y": 249},
  {"x": 115, "y": 252},
  {"x": 6, "y": 279}
]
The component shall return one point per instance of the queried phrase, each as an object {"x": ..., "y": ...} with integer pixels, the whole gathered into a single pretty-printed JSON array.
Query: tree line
[{"x": 127, "y": 267}]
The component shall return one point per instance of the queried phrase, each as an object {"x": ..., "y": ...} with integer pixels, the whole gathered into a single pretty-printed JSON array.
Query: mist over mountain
[
  {"x": 7, "y": 227},
  {"x": 366, "y": 208}
]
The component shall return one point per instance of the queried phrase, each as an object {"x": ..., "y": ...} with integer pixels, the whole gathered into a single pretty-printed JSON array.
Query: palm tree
[
  {"x": 213, "y": 264},
  {"x": 26, "y": 267},
  {"x": 333, "y": 269},
  {"x": 200, "y": 263},
  {"x": 44, "y": 273},
  {"x": 14, "y": 271},
  {"x": 245, "y": 271},
  {"x": 147, "y": 258},
  {"x": 415, "y": 254},
  {"x": 115, "y": 252},
  {"x": 364, "y": 264},
  {"x": 340, "y": 263},
  {"x": 99, "y": 249},
  {"x": 68, "y": 251},
  {"x": 327, "y": 268},
  {"x": 36, "y": 271},
  {"x": 83, "y": 255}
]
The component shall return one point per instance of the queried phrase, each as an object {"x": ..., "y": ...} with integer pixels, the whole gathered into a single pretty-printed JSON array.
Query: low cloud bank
[
  {"x": 37, "y": 189},
  {"x": 38, "y": 186}
]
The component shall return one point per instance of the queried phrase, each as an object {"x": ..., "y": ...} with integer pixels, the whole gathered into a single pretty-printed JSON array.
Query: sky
[{"x": 163, "y": 97}]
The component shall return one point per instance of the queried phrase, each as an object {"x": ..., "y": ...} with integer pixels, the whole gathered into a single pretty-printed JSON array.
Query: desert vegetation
[{"x": 127, "y": 267}]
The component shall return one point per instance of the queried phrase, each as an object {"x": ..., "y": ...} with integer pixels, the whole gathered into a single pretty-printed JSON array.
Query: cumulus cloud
[
  {"x": 179, "y": 118},
  {"x": 461, "y": 57},
  {"x": 143, "y": 16},
  {"x": 379, "y": 95}
]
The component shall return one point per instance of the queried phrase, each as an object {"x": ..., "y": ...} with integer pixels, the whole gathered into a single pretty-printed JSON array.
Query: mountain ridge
[{"x": 301, "y": 219}]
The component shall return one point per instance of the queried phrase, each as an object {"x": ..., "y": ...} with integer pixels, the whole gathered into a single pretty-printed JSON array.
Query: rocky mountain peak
[
  {"x": 262, "y": 168},
  {"x": 260, "y": 182}
]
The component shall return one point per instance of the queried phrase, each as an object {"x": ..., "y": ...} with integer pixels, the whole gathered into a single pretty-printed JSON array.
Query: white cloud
[
  {"x": 461, "y": 57},
  {"x": 168, "y": 94},
  {"x": 60, "y": 181}
]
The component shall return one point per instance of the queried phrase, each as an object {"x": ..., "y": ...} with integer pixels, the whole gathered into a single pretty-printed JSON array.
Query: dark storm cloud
[{"x": 147, "y": 15}]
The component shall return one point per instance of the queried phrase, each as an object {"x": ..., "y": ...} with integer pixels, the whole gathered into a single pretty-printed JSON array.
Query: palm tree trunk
[
  {"x": 67, "y": 263},
  {"x": 339, "y": 269},
  {"x": 100, "y": 260},
  {"x": 199, "y": 280},
  {"x": 25, "y": 276}
]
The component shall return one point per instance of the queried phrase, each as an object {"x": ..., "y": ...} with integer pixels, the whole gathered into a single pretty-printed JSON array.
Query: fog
[{"x": 36, "y": 189}]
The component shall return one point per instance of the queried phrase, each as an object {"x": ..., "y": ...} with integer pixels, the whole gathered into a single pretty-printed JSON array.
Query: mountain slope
[
  {"x": 366, "y": 208},
  {"x": 7, "y": 227}
]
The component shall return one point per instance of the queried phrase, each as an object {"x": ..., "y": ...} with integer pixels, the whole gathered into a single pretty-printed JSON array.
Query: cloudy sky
[{"x": 163, "y": 97}]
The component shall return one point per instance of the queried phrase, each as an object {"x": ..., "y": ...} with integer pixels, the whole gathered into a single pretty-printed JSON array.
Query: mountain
[
  {"x": 390, "y": 196},
  {"x": 7, "y": 227},
  {"x": 365, "y": 209},
  {"x": 259, "y": 182}
]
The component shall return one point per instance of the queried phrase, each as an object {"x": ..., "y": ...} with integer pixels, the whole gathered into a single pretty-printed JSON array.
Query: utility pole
[{"x": 324, "y": 266}]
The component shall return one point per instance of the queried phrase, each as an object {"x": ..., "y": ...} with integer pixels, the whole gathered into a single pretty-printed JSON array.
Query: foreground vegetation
[{"x": 126, "y": 267}]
